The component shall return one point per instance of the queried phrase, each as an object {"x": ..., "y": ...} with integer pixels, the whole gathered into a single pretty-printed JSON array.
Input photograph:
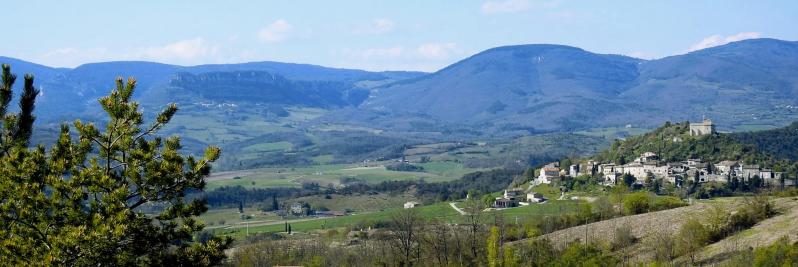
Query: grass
[
  {"x": 357, "y": 203},
  {"x": 214, "y": 217},
  {"x": 332, "y": 173},
  {"x": 440, "y": 211}
]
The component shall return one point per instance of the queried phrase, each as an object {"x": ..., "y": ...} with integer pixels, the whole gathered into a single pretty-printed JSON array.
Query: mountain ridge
[{"x": 537, "y": 87}]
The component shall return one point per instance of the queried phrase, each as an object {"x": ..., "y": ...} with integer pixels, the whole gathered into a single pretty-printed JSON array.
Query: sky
[{"x": 424, "y": 35}]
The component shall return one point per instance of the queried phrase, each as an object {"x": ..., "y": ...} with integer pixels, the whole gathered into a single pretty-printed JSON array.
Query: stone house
[
  {"x": 548, "y": 175},
  {"x": 727, "y": 167},
  {"x": 702, "y": 128}
]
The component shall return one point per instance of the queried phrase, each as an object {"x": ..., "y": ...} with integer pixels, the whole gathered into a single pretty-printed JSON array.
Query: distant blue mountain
[
  {"x": 554, "y": 87},
  {"x": 527, "y": 88},
  {"x": 72, "y": 93}
]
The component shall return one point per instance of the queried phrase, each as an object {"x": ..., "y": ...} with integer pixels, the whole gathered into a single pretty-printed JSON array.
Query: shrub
[
  {"x": 637, "y": 203},
  {"x": 623, "y": 238},
  {"x": 666, "y": 202}
]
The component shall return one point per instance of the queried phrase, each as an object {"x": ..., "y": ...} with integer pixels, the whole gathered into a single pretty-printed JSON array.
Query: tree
[
  {"x": 473, "y": 218},
  {"x": 17, "y": 128},
  {"x": 81, "y": 202},
  {"x": 637, "y": 203},
  {"x": 628, "y": 179},
  {"x": 692, "y": 237},
  {"x": 493, "y": 247},
  {"x": 405, "y": 226}
]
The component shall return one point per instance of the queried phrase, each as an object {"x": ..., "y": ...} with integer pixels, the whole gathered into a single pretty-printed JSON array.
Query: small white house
[
  {"x": 533, "y": 197},
  {"x": 411, "y": 204}
]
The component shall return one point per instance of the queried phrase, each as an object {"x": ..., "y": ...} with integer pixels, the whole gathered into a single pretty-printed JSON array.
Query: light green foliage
[
  {"x": 578, "y": 254},
  {"x": 691, "y": 237},
  {"x": 81, "y": 203},
  {"x": 781, "y": 253},
  {"x": 493, "y": 247},
  {"x": 636, "y": 203}
]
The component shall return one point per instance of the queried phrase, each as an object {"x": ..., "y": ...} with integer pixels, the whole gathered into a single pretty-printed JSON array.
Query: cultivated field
[{"x": 328, "y": 174}]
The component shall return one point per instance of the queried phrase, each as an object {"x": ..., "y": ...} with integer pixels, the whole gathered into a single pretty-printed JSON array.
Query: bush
[
  {"x": 637, "y": 203},
  {"x": 666, "y": 202},
  {"x": 781, "y": 253},
  {"x": 623, "y": 238}
]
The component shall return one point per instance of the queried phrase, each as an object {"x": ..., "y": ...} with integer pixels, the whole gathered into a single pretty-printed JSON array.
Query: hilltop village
[{"x": 648, "y": 168}]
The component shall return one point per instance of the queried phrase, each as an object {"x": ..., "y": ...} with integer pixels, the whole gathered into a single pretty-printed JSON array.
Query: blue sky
[{"x": 373, "y": 35}]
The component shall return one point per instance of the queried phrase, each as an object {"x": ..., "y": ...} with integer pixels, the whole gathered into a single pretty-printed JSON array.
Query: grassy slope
[
  {"x": 762, "y": 234},
  {"x": 645, "y": 226}
]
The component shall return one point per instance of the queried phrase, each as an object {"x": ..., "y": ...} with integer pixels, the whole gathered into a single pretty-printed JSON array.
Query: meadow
[
  {"x": 440, "y": 211},
  {"x": 326, "y": 174}
]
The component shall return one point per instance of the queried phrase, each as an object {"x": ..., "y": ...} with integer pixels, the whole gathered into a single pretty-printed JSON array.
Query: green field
[
  {"x": 440, "y": 211},
  {"x": 357, "y": 203},
  {"x": 332, "y": 174},
  {"x": 226, "y": 217}
]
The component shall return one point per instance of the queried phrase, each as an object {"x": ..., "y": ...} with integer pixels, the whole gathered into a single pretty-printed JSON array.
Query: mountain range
[{"x": 522, "y": 88}]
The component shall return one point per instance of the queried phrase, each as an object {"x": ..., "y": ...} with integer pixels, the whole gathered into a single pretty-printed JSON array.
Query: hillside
[
  {"x": 535, "y": 88},
  {"x": 540, "y": 85},
  {"x": 552, "y": 87},
  {"x": 649, "y": 227},
  {"x": 672, "y": 142},
  {"x": 781, "y": 142},
  {"x": 72, "y": 93},
  {"x": 268, "y": 89}
]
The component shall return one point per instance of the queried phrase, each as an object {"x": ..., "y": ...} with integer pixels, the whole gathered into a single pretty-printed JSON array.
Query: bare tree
[
  {"x": 473, "y": 216},
  {"x": 438, "y": 241},
  {"x": 405, "y": 226}
]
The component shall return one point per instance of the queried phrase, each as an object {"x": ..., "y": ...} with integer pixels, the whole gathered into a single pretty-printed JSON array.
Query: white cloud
[
  {"x": 716, "y": 40},
  {"x": 185, "y": 50},
  {"x": 505, "y": 6},
  {"x": 383, "y": 25},
  {"x": 376, "y": 26},
  {"x": 275, "y": 32},
  {"x": 189, "y": 51},
  {"x": 436, "y": 50},
  {"x": 513, "y": 6},
  {"x": 70, "y": 57}
]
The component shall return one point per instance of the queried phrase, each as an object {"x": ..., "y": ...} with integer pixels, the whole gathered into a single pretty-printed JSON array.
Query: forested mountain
[
  {"x": 552, "y": 87},
  {"x": 68, "y": 93},
  {"x": 532, "y": 88}
]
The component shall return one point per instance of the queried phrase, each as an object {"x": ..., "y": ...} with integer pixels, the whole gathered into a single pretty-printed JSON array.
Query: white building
[
  {"x": 533, "y": 197},
  {"x": 548, "y": 175},
  {"x": 411, "y": 204},
  {"x": 702, "y": 128}
]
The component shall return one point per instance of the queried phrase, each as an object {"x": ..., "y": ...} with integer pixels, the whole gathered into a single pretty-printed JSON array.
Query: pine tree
[{"x": 80, "y": 203}]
